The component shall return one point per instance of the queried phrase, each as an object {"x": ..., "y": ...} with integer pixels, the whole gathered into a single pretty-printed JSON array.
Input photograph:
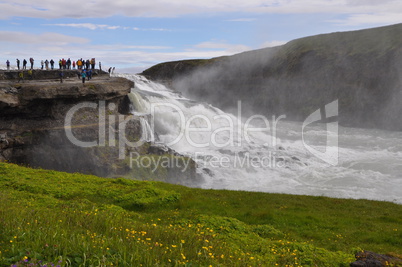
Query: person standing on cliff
[
  {"x": 47, "y": 64},
  {"x": 8, "y": 64},
  {"x": 51, "y": 63},
  {"x": 31, "y": 60},
  {"x": 18, "y": 64},
  {"x": 42, "y": 63},
  {"x": 89, "y": 74},
  {"x": 83, "y": 76},
  {"x": 24, "y": 64}
]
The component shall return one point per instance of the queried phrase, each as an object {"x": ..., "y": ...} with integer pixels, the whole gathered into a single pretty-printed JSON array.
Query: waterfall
[
  {"x": 147, "y": 132},
  {"x": 268, "y": 155},
  {"x": 139, "y": 105}
]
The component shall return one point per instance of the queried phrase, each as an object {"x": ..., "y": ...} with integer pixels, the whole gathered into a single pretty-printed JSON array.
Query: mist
[
  {"x": 360, "y": 69},
  {"x": 275, "y": 160}
]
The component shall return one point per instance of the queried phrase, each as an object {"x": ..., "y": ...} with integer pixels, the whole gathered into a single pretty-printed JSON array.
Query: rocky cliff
[
  {"x": 362, "y": 69},
  {"x": 78, "y": 127}
]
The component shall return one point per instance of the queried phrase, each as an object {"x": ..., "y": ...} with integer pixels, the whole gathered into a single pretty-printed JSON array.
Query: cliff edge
[{"x": 77, "y": 127}]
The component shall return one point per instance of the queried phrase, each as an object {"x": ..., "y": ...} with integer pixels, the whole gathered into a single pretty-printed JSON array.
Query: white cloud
[
  {"x": 49, "y": 38},
  {"x": 90, "y": 26},
  {"x": 116, "y": 47},
  {"x": 272, "y": 43},
  {"x": 374, "y": 19},
  {"x": 169, "y": 8}
]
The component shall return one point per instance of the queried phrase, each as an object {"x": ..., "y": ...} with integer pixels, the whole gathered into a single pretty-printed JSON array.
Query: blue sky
[{"x": 132, "y": 35}]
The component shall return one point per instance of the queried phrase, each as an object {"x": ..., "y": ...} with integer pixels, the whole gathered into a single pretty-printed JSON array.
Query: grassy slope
[
  {"x": 74, "y": 219},
  {"x": 374, "y": 41}
]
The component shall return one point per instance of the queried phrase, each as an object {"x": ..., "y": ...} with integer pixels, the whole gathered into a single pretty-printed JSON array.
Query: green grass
[{"x": 49, "y": 217}]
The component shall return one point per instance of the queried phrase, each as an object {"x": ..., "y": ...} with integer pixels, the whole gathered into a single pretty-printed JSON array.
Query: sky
[{"x": 132, "y": 35}]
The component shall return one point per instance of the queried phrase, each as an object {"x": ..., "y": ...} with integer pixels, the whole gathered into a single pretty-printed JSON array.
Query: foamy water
[{"x": 271, "y": 160}]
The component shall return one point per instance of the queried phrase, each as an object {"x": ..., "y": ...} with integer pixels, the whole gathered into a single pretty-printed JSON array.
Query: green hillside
[
  {"x": 362, "y": 69},
  {"x": 49, "y": 217}
]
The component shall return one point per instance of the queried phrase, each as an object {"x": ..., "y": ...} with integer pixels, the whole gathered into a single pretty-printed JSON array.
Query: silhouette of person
[{"x": 31, "y": 60}]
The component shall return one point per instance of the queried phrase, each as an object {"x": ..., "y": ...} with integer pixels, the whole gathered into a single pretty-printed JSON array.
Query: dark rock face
[
  {"x": 360, "y": 69},
  {"x": 371, "y": 259},
  {"x": 36, "y": 98},
  {"x": 34, "y": 114}
]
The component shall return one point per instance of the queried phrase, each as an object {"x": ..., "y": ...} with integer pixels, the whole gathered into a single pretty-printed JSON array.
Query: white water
[
  {"x": 147, "y": 132},
  {"x": 370, "y": 161}
]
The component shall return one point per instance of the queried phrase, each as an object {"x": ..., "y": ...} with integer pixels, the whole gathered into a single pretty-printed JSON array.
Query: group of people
[
  {"x": 80, "y": 64},
  {"x": 85, "y": 73},
  {"x": 24, "y": 64},
  {"x": 63, "y": 64},
  {"x": 84, "y": 67}
]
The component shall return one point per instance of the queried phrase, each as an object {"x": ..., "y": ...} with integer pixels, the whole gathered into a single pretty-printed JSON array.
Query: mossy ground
[{"x": 49, "y": 217}]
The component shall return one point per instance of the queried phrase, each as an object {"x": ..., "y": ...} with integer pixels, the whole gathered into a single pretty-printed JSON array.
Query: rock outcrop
[
  {"x": 371, "y": 259},
  {"x": 27, "y": 96},
  {"x": 77, "y": 127}
]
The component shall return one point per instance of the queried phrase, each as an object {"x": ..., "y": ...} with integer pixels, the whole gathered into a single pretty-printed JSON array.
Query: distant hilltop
[{"x": 361, "y": 69}]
